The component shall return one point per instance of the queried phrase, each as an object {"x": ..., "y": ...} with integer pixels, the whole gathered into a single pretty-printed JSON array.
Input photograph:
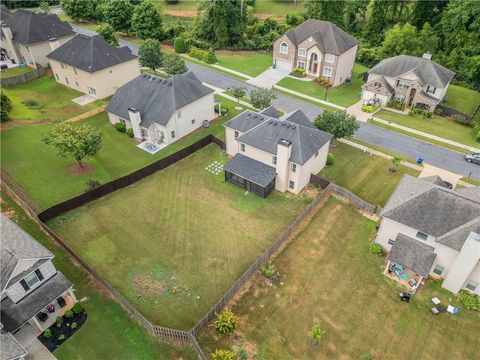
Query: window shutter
[
  {"x": 24, "y": 285},
  {"x": 39, "y": 274}
]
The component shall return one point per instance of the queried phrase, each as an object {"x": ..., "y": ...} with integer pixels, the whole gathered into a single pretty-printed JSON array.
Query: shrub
[
  {"x": 469, "y": 301},
  {"x": 211, "y": 58},
  {"x": 74, "y": 325},
  {"x": 68, "y": 314},
  {"x": 461, "y": 119},
  {"x": 223, "y": 354},
  {"x": 428, "y": 114},
  {"x": 297, "y": 72},
  {"x": 59, "y": 321},
  {"x": 61, "y": 337},
  {"x": 270, "y": 270},
  {"x": 180, "y": 46},
  {"x": 5, "y": 106},
  {"x": 411, "y": 112},
  {"x": 77, "y": 308},
  {"x": 366, "y": 356},
  {"x": 390, "y": 103},
  {"x": 120, "y": 127},
  {"x": 92, "y": 184},
  {"x": 438, "y": 111},
  {"x": 47, "y": 334},
  {"x": 376, "y": 249},
  {"x": 130, "y": 132},
  {"x": 242, "y": 354},
  {"x": 317, "y": 332},
  {"x": 226, "y": 322},
  {"x": 203, "y": 55},
  {"x": 330, "y": 159}
]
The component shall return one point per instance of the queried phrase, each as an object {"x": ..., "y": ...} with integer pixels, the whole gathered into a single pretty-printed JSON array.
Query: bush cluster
[
  {"x": 462, "y": 119},
  {"x": 120, "y": 127},
  {"x": 376, "y": 249},
  {"x": 203, "y": 55},
  {"x": 223, "y": 354},
  {"x": 270, "y": 271},
  {"x": 68, "y": 314},
  {"x": 130, "y": 132},
  {"x": 297, "y": 72},
  {"x": 180, "y": 46},
  {"x": 469, "y": 301},
  {"x": 77, "y": 308},
  {"x": 330, "y": 159},
  {"x": 226, "y": 322}
]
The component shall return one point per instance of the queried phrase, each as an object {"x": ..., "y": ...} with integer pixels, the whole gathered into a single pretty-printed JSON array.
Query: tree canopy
[
  {"x": 150, "y": 54},
  {"x": 337, "y": 123},
  {"x": 326, "y": 10},
  {"x": 108, "y": 34},
  {"x": 118, "y": 13},
  {"x": 5, "y": 107},
  {"x": 173, "y": 64},
  {"x": 78, "y": 9},
  {"x": 147, "y": 21},
  {"x": 262, "y": 98}
]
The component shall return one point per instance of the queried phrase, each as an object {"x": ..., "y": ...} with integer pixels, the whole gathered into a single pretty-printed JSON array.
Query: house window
[
  {"x": 402, "y": 84},
  {"x": 193, "y": 121},
  {"x": 438, "y": 269},
  {"x": 236, "y": 134},
  {"x": 91, "y": 91},
  {"x": 274, "y": 160},
  {"x": 391, "y": 242},
  {"x": 173, "y": 134},
  {"x": 31, "y": 279},
  {"x": 283, "y": 48},
  {"x": 302, "y": 52},
  {"x": 76, "y": 83},
  {"x": 62, "y": 65},
  {"x": 75, "y": 71},
  {"x": 327, "y": 71},
  {"x": 421, "y": 236},
  {"x": 291, "y": 184},
  {"x": 56, "y": 75},
  {"x": 294, "y": 167},
  {"x": 472, "y": 285},
  {"x": 242, "y": 147},
  {"x": 329, "y": 58},
  {"x": 431, "y": 89},
  {"x": 66, "y": 80},
  {"x": 301, "y": 64},
  {"x": 399, "y": 97}
]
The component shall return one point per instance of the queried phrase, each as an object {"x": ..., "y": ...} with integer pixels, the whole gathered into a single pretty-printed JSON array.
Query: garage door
[
  {"x": 283, "y": 65},
  {"x": 367, "y": 95}
]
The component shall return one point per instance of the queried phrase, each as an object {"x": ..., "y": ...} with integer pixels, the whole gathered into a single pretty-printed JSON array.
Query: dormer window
[
  {"x": 302, "y": 52},
  {"x": 431, "y": 89},
  {"x": 329, "y": 58},
  {"x": 402, "y": 84},
  {"x": 283, "y": 48},
  {"x": 31, "y": 279}
]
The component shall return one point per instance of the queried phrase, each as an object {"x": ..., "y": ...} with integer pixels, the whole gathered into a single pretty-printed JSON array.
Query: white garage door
[
  {"x": 367, "y": 95},
  {"x": 284, "y": 65}
]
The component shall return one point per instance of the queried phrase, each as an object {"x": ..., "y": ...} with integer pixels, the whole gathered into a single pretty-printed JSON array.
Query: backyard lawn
[
  {"x": 45, "y": 176},
  {"x": 17, "y": 70},
  {"x": 366, "y": 176},
  {"x": 45, "y": 99},
  {"x": 176, "y": 241},
  {"x": 330, "y": 278},
  {"x": 436, "y": 125},
  {"x": 344, "y": 95},
  {"x": 252, "y": 63},
  {"x": 462, "y": 99},
  {"x": 108, "y": 326}
]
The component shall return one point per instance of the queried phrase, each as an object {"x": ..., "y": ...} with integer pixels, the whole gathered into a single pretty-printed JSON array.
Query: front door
[
  {"x": 412, "y": 96},
  {"x": 315, "y": 68}
]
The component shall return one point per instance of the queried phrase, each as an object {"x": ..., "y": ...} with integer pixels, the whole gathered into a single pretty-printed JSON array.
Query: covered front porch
[{"x": 56, "y": 308}]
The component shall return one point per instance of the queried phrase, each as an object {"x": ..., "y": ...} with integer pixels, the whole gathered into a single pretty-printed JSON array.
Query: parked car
[{"x": 473, "y": 158}]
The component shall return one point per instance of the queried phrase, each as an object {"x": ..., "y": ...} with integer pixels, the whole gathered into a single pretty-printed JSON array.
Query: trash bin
[
  {"x": 420, "y": 160},
  {"x": 206, "y": 123}
]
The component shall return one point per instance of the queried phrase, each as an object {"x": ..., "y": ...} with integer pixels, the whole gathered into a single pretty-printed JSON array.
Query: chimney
[
  {"x": 427, "y": 56},
  {"x": 54, "y": 43},
  {"x": 284, "y": 150},
  {"x": 135, "y": 120}
]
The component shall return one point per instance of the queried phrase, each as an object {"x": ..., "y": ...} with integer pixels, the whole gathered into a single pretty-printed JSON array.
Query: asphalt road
[{"x": 401, "y": 144}]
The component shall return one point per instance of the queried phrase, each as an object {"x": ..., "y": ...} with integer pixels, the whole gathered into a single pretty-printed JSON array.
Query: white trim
[
  {"x": 325, "y": 68},
  {"x": 281, "y": 46},
  {"x": 331, "y": 57},
  {"x": 304, "y": 54},
  {"x": 301, "y": 62}
]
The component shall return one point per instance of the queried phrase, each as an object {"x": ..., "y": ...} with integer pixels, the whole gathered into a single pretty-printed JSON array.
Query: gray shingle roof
[
  {"x": 10, "y": 348},
  {"x": 4, "y": 13},
  {"x": 157, "y": 98},
  {"x": 471, "y": 193},
  {"x": 432, "y": 209},
  {"x": 428, "y": 71},
  {"x": 15, "y": 315},
  {"x": 272, "y": 112},
  {"x": 16, "y": 245},
  {"x": 251, "y": 169},
  {"x": 298, "y": 117},
  {"x": 329, "y": 37},
  {"x": 457, "y": 237},
  {"x": 30, "y": 28},
  {"x": 246, "y": 120},
  {"x": 412, "y": 254},
  {"x": 435, "y": 179},
  {"x": 91, "y": 53},
  {"x": 384, "y": 82}
]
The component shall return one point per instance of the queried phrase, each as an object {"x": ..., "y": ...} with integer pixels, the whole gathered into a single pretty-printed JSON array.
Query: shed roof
[{"x": 412, "y": 254}]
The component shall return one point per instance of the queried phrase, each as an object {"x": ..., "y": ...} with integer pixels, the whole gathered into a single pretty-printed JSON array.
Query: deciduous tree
[
  {"x": 150, "y": 54},
  {"x": 78, "y": 9},
  {"x": 400, "y": 40},
  {"x": 376, "y": 22},
  {"x": 238, "y": 92},
  {"x": 118, "y": 13},
  {"x": 108, "y": 34},
  {"x": 337, "y": 123},
  {"x": 262, "y": 98},
  {"x": 147, "y": 21},
  {"x": 332, "y": 11},
  {"x": 173, "y": 64}
]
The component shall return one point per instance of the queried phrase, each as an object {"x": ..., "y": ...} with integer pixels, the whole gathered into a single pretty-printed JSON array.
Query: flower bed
[{"x": 65, "y": 327}]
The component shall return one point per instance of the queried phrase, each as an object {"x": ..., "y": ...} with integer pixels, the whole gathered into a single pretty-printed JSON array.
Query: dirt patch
[
  {"x": 147, "y": 286},
  {"x": 182, "y": 13},
  {"x": 75, "y": 169}
]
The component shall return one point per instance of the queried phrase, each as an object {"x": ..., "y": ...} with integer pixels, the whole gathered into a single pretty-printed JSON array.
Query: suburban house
[
  {"x": 321, "y": 48},
  {"x": 159, "y": 110},
  {"x": 91, "y": 65},
  {"x": 429, "y": 230},
  {"x": 273, "y": 152},
  {"x": 33, "y": 292},
  {"x": 419, "y": 82},
  {"x": 28, "y": 37}
]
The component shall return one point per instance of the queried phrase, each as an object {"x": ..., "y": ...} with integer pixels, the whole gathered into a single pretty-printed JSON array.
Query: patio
[
  {"x": 410, "y": 279},
  {"x": 150, "y": 147},
  {"x": 48, "y": 317}
]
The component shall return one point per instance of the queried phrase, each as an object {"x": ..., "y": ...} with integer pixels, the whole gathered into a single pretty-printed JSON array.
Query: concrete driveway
[
  {"x": 430, "y": 170},
  {"x": 27, "y": 336},
  {"x": 268, "y": 78}
]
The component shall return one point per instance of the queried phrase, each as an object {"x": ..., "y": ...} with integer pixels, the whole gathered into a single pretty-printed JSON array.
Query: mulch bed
[
  {"x": 75, "y": 169},
  {"x": 53, "y": 343}
]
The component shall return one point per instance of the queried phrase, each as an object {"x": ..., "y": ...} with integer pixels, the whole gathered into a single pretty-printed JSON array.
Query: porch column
[
  {"x": 72, "y": 295},
  {"x": 35, "y": 321},
  {"x": 385, "y": 272}
]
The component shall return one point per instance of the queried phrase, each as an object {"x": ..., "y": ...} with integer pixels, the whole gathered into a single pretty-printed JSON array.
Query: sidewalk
[
  {"x": 221, "y": 92},
  {"x": 299, "y": 94}
]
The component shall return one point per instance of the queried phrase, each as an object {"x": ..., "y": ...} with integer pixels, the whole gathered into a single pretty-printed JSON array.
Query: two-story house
[
  {"x": 419, "y": 82},
  {"x": 26, "y": 36},
  {"x": 321, "y": 48},
  {"x": 430, "y": 230},
  {"x": 161, "y": 111},
  {"x": 33, "y": 292},
  {"x": 274, "y": 152},
  {"x": 91, "y": 65}
]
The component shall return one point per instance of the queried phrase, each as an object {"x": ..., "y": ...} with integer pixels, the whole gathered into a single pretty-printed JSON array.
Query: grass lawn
[
  {"x": 108, "y": 327},
  {"x": 252, "y": 63},
  {"x": 45, "y": 176},
  {"x": 330, "y": 278},
  {"x": 175, "y": 242},
  {"x": 436, "y": 125},
  {"x": 85, "y": 24},
  {"x": 277, "y": 8},
  {"x": 199, "y": 62},
  {"x": 344, "y": 95},
  {"x": 367, "y": 177},
  {"x": 17, "y": 70},
  {"x": 45, "y": 99},
  {"x": 326, "y": 107},
  {"x": 462, "y": 99}
]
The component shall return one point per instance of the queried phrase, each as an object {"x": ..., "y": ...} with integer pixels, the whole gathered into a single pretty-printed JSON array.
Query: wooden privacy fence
[{"x": 127, "y": 180}]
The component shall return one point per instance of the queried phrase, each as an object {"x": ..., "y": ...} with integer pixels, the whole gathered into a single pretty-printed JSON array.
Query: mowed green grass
[
  {"x": 44, "y": 175},
  {"x": 366, "y": 176},
  {"x": 174, "y": 242},
  {"x": 330, "y": 278},
  {"x": 277, "y": 8},
  {"x": 344, "y": 95},
  {"x": 5, "y": 74},
  {"x": 45, "y": 99},
  {"x": 436, "y": 125},
  {"x": 252, "y": 63},
  {"x": 462, "y": 99},
  {"x": 109, "y": 331}
]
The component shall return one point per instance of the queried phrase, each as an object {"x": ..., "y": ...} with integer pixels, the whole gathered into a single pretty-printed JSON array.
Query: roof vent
[
  {"x": 294, "y": 127},
  {"x": 255, "y": 116},
  {"x": 283, "y": 124},
  {"x": 270, "y": 122},
  {"x": 288, "y": 126},
  {"x": 275, "y": 123}
]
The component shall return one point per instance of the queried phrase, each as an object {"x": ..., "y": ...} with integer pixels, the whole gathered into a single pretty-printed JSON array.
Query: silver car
[{"x": 473, "y": 158}]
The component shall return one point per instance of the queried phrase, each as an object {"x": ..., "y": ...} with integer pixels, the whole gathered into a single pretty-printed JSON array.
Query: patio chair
[
  {"x": 42, "y": 316},
  {"x": 435, "y": 311},
  {"x": 436, "y": 300},
  {"x": 61, "y": 302}
]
